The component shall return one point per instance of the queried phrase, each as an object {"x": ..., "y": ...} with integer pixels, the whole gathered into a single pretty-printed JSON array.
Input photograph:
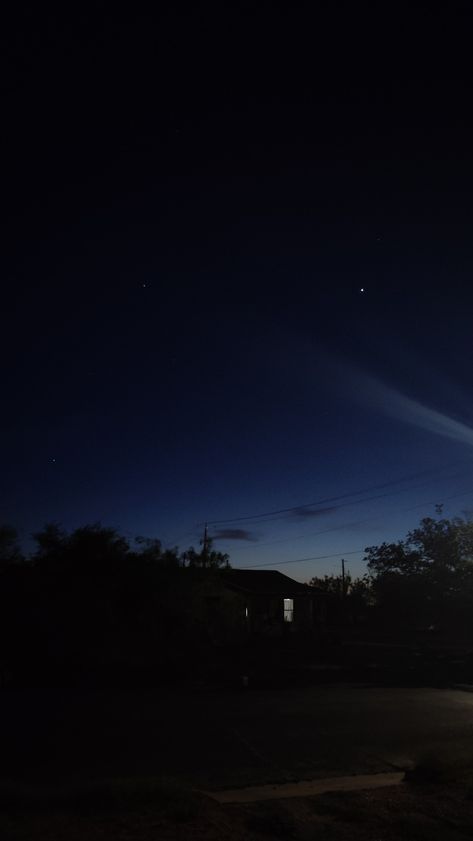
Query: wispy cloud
[
  {"x": 374, "y": 393},
  {"x": 234, "y": 534},
  {"x": 305, "y": 513}
]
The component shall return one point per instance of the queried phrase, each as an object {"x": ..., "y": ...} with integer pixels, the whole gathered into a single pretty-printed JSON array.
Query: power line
[
  {"x": 337, "y": 554},
  {"x": 303, "y": 560},
  {"x": 326, "y": 500},
  {"x": 445, "y": 499},
  {"x": 365, "y": 520},
  {"x": 316, "y": 533}
]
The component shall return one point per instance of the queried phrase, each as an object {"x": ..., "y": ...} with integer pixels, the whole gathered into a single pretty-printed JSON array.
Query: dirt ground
[{"x": 411, "y": 812}]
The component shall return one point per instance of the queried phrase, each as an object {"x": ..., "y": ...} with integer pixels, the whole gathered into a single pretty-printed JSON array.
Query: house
[{"x": 240, "y": 602}]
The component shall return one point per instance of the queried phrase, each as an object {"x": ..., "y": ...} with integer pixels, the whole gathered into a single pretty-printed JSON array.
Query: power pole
[
  {"x": 205, "y": 544},
  {"x": 343, "y": 579}
]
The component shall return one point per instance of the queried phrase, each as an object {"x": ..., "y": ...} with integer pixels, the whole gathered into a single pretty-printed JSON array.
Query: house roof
[{"x": 266, "y": 583}]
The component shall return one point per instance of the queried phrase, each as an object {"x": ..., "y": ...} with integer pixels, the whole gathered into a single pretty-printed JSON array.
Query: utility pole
[
  {"x": 205, "y": 543},
  {"x": 343, "y": 579}
]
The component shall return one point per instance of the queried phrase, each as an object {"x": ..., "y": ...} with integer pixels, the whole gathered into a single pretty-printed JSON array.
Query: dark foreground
[
  {"x": 223, "y": 738},
  {"x": 438, "y": 808},
  {"x": 127, "y": 764}
]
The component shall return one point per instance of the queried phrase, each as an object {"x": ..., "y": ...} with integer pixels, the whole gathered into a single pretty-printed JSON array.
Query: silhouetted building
[{"x": 239, "y": 602}]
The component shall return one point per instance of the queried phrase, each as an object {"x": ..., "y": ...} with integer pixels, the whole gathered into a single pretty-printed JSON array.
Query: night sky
[{"x": 237, "y": 274}]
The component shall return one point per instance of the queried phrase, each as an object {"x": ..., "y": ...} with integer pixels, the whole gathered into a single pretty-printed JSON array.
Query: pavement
[
  {"x": 305, "y": 788},
  {"x": 222, "y": 739}
]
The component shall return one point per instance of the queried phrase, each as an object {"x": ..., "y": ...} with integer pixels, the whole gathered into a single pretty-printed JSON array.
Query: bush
[{"x": 441, "y": 768}]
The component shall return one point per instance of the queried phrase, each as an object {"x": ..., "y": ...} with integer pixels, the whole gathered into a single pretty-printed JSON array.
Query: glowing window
[{"x": 288, "y": 610}]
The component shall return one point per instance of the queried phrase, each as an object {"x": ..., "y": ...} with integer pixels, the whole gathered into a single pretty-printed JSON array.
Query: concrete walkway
[{"x": 306, "y": 788}]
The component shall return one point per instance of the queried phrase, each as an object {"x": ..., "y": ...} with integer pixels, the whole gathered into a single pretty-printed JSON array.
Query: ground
[
  {"x": 402, "y": 813},
  {"x": 127, "y": 764},
  {"x": 224, "y": 738}
]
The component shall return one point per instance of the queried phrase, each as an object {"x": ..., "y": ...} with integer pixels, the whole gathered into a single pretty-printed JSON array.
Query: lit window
[{"x": 288, "y": 610}]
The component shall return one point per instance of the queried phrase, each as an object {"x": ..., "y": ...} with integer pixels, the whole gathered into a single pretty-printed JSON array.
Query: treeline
[
  {"x": 91, "y": 602},
  {"x": 424, "y": 582}
]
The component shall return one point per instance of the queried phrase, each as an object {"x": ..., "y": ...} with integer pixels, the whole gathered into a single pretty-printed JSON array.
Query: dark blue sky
[{"x": 193, "y": 205}]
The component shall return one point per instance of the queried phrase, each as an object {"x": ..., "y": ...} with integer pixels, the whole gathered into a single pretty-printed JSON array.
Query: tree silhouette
[
  {"x": 355, "y": 603},
  {"x": 151, "y": 552},
  {"x": 10, "y": 552},
  {"x": 91, "y": 602},
  {"x": 429, "y": 575},
  {"x": 207, "y": 558}
]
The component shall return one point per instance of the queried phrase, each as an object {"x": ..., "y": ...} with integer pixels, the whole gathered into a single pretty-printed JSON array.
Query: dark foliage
[
  {"x": 10, "y": 552},
  {"x": 91, "y": 603},
  {"x": 352, "y": 598},
  {"x": 427, "y": 579}
]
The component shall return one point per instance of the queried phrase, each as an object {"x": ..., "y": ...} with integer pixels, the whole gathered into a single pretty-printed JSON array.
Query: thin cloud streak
[
  {"x": 371, "y": 391},
  {"x": 311, "y": 513},
  {"x": 234, "y": 534}
]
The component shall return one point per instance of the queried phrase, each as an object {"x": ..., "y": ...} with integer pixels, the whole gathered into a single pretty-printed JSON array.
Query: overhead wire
[
  {"x": 340, "y": 554},
  {"x": 327, "y": 500},
  {"x": 303, "y": 560},
  {"x": 259, "y": 545}
]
